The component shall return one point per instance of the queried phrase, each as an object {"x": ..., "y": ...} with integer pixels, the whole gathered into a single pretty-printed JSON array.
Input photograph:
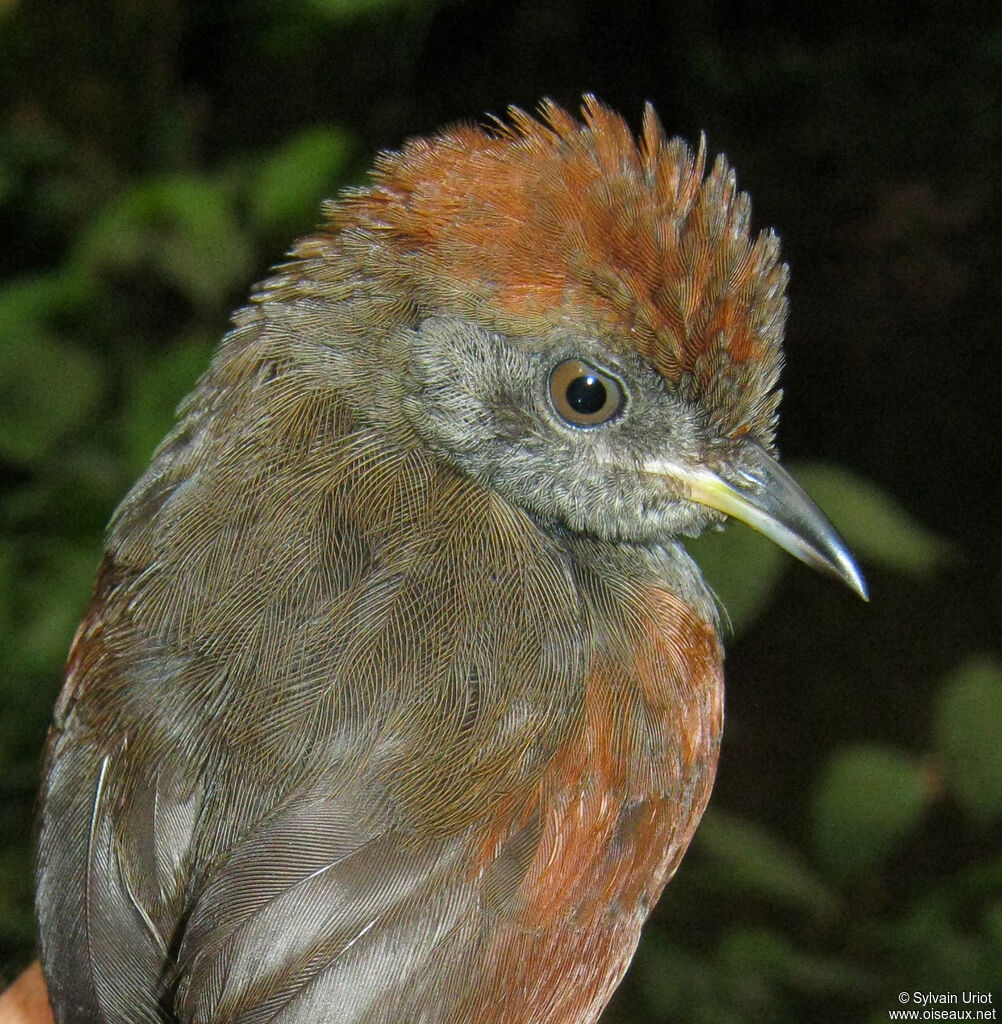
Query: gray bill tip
[{"x": 762, "y": 494}]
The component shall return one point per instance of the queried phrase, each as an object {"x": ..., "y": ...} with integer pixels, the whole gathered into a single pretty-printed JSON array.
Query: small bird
[{"x": 399, "y": 699}]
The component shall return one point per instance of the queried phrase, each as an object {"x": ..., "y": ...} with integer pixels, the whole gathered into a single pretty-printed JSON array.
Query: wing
[
  {"x": 313, "y": 918},
  {"x": 107, "y": 964},
  {"x": 322, "y": 911},
  {"x": 168, "y": 894}
]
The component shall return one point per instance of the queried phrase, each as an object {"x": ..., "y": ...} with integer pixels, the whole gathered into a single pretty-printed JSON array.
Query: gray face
[{"x": 486, "y": 403}]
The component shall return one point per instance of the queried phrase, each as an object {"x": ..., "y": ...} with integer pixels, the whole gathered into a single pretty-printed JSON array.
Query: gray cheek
[
  {"x": 481, "y": 404},
  {"x": 468, "y": 393},
  {"x": 450, "y": 422}
]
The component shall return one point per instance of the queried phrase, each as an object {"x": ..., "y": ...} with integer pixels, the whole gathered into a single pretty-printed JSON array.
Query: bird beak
[{"x": 762, "y": 494}]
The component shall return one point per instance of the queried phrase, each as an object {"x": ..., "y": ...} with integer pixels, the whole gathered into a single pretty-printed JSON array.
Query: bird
[{"x": 399, "y": 698}]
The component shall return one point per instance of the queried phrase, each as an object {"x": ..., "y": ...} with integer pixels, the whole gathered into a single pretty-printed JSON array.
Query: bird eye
[{"x": 583, "y": 395}]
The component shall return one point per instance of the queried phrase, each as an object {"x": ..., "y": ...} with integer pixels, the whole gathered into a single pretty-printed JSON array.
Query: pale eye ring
[{"x": 583, "y": 395}]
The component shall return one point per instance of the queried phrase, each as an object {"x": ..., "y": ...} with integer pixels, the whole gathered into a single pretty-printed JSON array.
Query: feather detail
[{"x": 525, "y": 223}]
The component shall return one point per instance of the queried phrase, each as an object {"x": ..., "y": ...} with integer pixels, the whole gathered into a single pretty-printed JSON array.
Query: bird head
[{"x": 579, "y": 319}]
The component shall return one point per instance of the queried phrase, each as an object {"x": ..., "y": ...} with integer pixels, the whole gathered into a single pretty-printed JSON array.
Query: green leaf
[
  {"x": 47, "y": 387},
  {"x": 7, "y": 589},
  {"x": 968, "y": 736},
  {"x": 41, "y": 297},
  {"x": 73, "y": 492},
  {"x": 993, "y": 926},
  {"x": 759, "y": 952},
  {"x": 939, "y": 937},
  {"x": 154, "y": 394},
  {"x": 339, "y": 10},
  {"x": 742, "y": 569},
  {"x": 755, "y": 862},
  {"x": 182, "y": 228},
  {"x": 16, "y": 918},
  {"x": 294, "y": 178},
  {"x": 57, "y": 593},
  {"x": 869, "y": 798},
  {"x": 874, "y": 526},
  {"x": 679, "y": 985}
]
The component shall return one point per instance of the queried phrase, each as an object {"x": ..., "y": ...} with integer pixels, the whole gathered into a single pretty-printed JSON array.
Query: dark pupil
[{"x": 586, "y": 395}]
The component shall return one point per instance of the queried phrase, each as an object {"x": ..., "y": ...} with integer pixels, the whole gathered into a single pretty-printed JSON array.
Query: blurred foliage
[
  {"x": 844, "y": 924},
  {"x": 837, "y": 932},
  {"x": 968, "y": 721},
  {"x": 155, "y": 159},
  {"x": 876, "y": 528}
]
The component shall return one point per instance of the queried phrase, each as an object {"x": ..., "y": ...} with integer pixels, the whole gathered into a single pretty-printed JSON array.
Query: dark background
[{"x": 156, "y": 158}]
